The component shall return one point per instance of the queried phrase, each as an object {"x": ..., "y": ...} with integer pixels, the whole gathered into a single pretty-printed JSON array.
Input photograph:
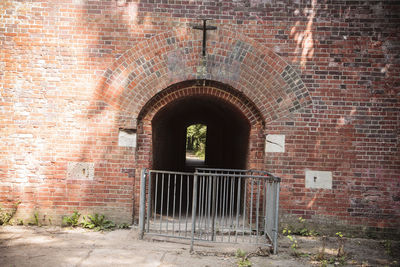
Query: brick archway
[
  {"x": 212, "y": 89},
  {"x": 274, "y": 87},
  {"x": 263, "y": 78}
]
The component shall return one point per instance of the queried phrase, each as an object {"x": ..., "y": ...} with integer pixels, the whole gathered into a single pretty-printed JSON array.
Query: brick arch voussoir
[
  {"x": 274, "y": 86},
  {"x": 211, "y": 89}
]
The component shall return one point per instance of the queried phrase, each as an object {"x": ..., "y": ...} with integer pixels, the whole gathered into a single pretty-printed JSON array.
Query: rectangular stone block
[
  {"x": 80, "y": 171},
  {"x": 318, "y": 179},
  {"x": 275, "y": 143},
  {"x": 127, "y": 138}
]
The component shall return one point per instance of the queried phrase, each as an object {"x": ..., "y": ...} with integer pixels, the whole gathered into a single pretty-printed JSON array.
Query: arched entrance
[
  {"x": 235, "y": 127},
  {"x": 234, "y": 133}
]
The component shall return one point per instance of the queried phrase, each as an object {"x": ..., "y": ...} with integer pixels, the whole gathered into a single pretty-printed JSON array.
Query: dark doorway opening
[{"x": 226, "y": 144}]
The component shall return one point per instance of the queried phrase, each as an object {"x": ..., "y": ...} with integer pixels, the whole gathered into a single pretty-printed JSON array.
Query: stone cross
[{"x": 204, "y": 28}]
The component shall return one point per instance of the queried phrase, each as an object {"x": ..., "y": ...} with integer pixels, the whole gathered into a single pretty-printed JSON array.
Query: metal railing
[{"x": 218, "y": 205}]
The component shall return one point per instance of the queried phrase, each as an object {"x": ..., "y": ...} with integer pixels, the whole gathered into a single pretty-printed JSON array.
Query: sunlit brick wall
[{"x": 70, "y": 79}]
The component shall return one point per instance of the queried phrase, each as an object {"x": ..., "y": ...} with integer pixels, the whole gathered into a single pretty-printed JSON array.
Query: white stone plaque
[
  {"x": 275, "y": 143},
  {"x": 318, "y": 179},
  {"x": 127, "y": 138}
]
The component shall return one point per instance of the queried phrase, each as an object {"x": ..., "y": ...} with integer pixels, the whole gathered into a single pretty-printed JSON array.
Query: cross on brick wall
[{"x": 204, "y": 28}]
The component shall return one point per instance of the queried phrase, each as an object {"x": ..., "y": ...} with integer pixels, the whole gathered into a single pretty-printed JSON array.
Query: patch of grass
[
  {"x": 341, "y": 240},
  {"x": 123, "y": 226},
  {"x": 97, "y": 222},
  {"x": 387, "y": 244},
  {"x": 6, "y": 216},
  {"x": 243, "y": 261},
  {"x": 72, "y": 220},
  {"x": 301, "y": 228},
  {"x": 321, "y": 254},
  {"x": 338, "y": 260},
  {"x": 35, "y": 219},
  {"x": 293, "y": 241},
  {"x": 293, "y": 245}
]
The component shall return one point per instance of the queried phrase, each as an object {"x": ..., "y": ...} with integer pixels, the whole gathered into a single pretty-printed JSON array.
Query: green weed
[
  {"x": 293, "y": 245},
  {"x": 97, "y": 222},
  {"x": 301, "y": 228},
  {"x": 293, "y": 241},
  {"x": 72, "y": 220},
  {"x": 388, "y": 247},
  {"x": 123, "y": 226},
  {"x": 341, "y": 240},
  {"x": 6, "y": 216},
  {"x": 321, "y": 254},
  {"x": 35, "y": 219},
  {"x": 339, "y": 259},
  {"x": 243, "y": 260},
  {"x": 333, "y": 260}
]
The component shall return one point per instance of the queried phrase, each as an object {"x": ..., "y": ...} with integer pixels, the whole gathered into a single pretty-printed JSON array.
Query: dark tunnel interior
[
  {"x": 226, "y": 146},
  {"x": 227, "y": 134}
]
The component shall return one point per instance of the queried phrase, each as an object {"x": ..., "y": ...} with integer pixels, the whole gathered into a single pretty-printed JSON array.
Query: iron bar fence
[{"x": 217, "y": 205}]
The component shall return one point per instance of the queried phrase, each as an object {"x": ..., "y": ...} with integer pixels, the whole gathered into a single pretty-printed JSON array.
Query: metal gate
[{"x": 218, "y": 205}]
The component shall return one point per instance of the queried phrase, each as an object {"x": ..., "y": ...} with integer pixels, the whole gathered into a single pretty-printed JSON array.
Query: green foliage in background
[{"x": 196, "y": 139}]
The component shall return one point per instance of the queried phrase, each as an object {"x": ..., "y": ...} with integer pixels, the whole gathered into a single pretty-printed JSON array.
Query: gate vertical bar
[
  {"x": 209, "y": 206},
  {"x": 200, "y": 200},
  {"x": 142, "y": 202},
  {"x": 276, "y": 214},
  {"x": 214, "y": 206},
  {"x": 187, "y": 205},
  {"x": 149, "y": 205},
  {"x": 180, "y": 204},
  {"x": 244, "y": 204},
  {"x": 155, "y": 197},
  {"x": 238, "y": 208},
  {"x": 257, "y": 209},
  {"x": 173, "y": 207},
  {"x": 251, "y": 207},
  {"x": 194, "y": 204},
  {"x": 162, "y": 200},
  {"x": 231, "y": 204},
  {"x": 224, "y": 201},
  {"x": 265, "y": 207},
  {"x": 169, "y": 185}
]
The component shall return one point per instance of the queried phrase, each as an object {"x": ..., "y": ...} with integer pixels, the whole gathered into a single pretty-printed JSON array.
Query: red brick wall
[{"x": 326, "y": 74}]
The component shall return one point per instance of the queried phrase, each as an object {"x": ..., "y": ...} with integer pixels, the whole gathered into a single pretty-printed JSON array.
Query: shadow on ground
[{"x": 54, "y": 246}]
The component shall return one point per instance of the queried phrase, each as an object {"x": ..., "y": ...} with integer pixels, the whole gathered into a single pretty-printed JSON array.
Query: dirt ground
[{"x": 55, "y": 246}]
